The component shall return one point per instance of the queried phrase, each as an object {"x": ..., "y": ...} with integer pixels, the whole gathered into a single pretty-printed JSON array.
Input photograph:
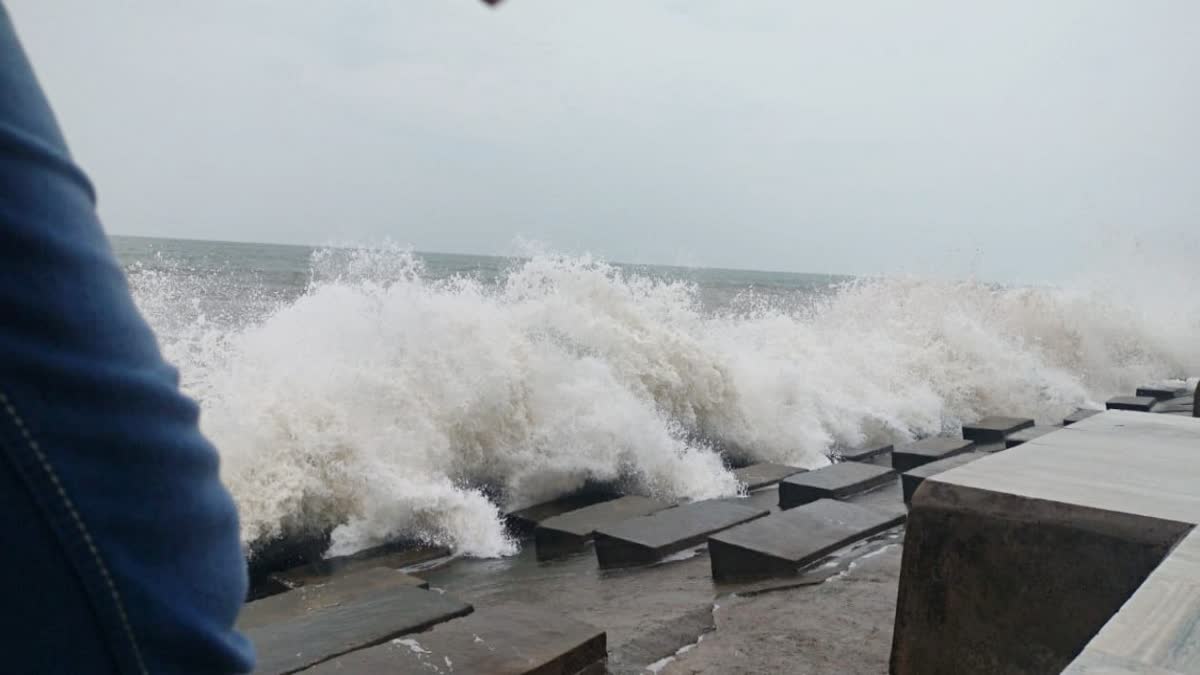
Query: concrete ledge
[
  {"x": 502, "y": 640},
  {"x": 1079, "y": 415},
  {"x": 1026, "y": 435},
  {"x": 1185, "y": 404},
  {"x": 910, "y": 456},
  {"x": 784, "y": 543},
  {"x": 994, "y": 429},
  {"x": 309, "y": 599},
  {"x": 1135, "y": 403},
  {"x": 298, "y": 643},
  {"x": 392, "y": 556},
  {"x": 649, "y": 539},
  {"x": 911, "y": 480},
  {"x": 570, "y": 532},
  {"x": 835, "y": 481},
  {"x": 522, "y": 522},
  {"x": 758, "y": 476},
  {"x": 1160, "y": 392},
  {"x": 875, "y": 454}
]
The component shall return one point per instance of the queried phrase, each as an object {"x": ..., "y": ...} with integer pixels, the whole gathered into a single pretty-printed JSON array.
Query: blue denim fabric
[{"x": 121, "y": 548}]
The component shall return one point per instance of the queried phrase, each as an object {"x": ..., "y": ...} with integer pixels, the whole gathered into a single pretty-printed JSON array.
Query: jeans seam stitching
[{"x": 79, "y": 524}]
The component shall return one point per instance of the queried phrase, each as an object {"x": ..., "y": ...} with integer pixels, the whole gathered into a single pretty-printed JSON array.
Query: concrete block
[
  {"x": 994, "y": 429},
  {"x": 501, "y": 640},
  {"x": 1161, "y": 392},
  {"x": 911, "y": 480},
  {"x": 392, "y": 556},
  {"x": 910, "y": 456},
  {"x": 523, "y": 522},
  {"x": 875, "y": 454},
  {"x": 758, "y": 476},
  {"x": 835, "y": 481},
  {"x": 571, "y": 532},
  {"x": 308, "y": 599},
  {"x": 1026, "y": 435},
  {"x": 1184, "y": 404},
  {"x": 648, "y": 539},
  {"x": 1079, "y": 415},
  {"x": 1138, "y": 403},
  {"x": 297, "y": 643},
  {"x": 784, "y": 543}
]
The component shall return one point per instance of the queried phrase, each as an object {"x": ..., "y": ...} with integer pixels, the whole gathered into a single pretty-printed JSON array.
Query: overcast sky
[{"x": 1005, "y": 142}]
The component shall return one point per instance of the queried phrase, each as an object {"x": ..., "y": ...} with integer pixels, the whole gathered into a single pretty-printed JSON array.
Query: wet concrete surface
[{"x": 842, "y": 625}]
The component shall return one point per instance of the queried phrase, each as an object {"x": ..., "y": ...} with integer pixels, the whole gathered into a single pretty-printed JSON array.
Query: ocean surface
[{"x": 389, "y": 393}]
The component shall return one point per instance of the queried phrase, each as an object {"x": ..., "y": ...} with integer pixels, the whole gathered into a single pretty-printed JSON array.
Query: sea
[{"x": 388, "y": 393}]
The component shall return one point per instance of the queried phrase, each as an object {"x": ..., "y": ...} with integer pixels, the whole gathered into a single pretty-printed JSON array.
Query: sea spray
[{"x": 384, "y": 402}]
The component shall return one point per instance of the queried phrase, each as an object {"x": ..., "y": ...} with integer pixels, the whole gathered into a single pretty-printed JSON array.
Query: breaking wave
[{"x": 385, "y": 403}]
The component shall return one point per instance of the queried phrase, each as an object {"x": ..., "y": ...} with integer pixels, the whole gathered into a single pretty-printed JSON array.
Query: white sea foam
[{"x": 386, "y": 403}]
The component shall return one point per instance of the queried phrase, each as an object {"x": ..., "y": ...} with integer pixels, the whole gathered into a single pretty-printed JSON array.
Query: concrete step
[
  {"x": 523, "y": 522},
  {"x": 873, "y": 454},
  {"x": 1175, "y": 405},
  {"x": 300, "y": 642},
  {"x": 570, "y": 532},
  {"x": 1026, "y": 435},
  {"x": 835, "y": 481},
  {"x": 994, "y": 429},
  {"x": 909, "y": 456},
  {"x": 911, "y": 480},
  {"x": 1079, "y": 415},
  {"x": 501, "y": 640},
  {"x": 1137, "y": 403},
  {"x": 784, "y": 543},
  {"x": 758, "y": 476},
  {"x": 308, "y": 599},
  {"x": 649, "y": 539}
]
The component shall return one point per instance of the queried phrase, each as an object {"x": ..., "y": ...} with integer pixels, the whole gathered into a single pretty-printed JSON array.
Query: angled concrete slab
[
  {"x": 909, "y": 456},
  {"x": 308, "y": 599},
  {"x": 784, "y": 543},
  {"x": 911, "y": 480},
  {"x": 301, "y": 642},
  {"x": 1079, "y": 415},
  {"x": 758, "y": 476},
  {"x": 835, "y": 481},
  {"x": 873, "y": 454},
  {"x": 501, "y": 640},
  {"x": 392, "y": 556},
  {"x": 994, "y": 429},
  {"x": 1161, "y": 392},
  {"x": 1181, "y": 404},
  {"x": 648, "y": 539},
  {"x": 570, "y": 532},
  {"x": 1136, "y": 403},
  {"x": 1013, "y": 563},
  {"x": 523, "y": 522},
  {"x": 1025, "y": 435}
]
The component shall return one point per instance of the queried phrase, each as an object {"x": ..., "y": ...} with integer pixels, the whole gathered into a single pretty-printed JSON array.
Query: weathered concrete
[
  {"x": 840, "y": 627},
  {"x": 1079, "y": 415},
  {"x": 910, "y": 456},
  {"x": 504, "y": 640},
  {"x": 1161, "y": 392},
  {"x": 304, "y": 641},
  {"x": 783, "y": 543},
  {"x": 1013, "y": 563},
  {"x": 835, "y": 481},
  {"x": 911, "y": 480},
  {"x": 344, "y": 589},
  {"x": 1026, "y": 435},
  {"x": 570, "y": 532},
  {"x": 994, "y": 429},
  {"x": 1136, "y": 403},
  {"x": 295, "y": 547},
  {"x": 392, "y": 556},
  {"x": 649, "y": 539},
  {"x": 1180, "y": 404},
  {"x": 887, "y": 498},
  {"x": 758, "y": 476},
  {"x": 875, "y": 454},
  {"x": 1158, "y": 629}
]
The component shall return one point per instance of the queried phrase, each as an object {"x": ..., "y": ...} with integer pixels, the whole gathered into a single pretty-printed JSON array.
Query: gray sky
[{"x": 1008, "y": 141}]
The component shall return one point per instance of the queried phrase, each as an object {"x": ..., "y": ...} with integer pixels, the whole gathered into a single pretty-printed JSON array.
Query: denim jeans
[{"x": 121, "y": 548}]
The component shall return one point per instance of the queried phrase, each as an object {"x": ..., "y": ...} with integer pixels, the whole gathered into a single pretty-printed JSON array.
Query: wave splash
[{"x": 384, "y": 403}]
